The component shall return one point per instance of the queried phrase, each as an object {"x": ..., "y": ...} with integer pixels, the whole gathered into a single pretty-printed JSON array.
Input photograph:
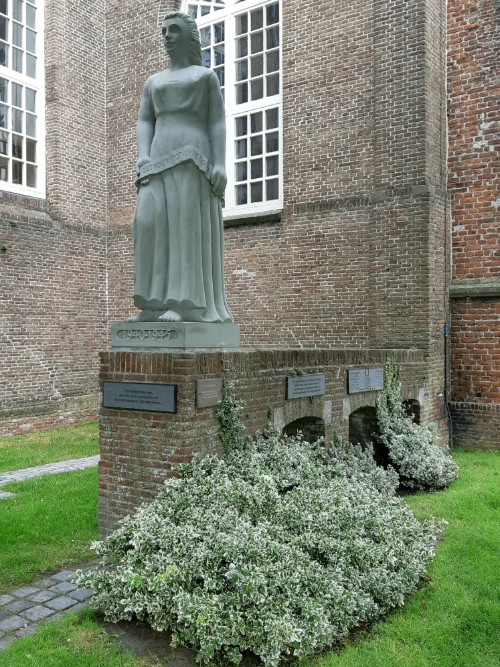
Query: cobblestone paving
[
  {"x": 47, "y": 469},
  {"x": 22, "y": 610}
]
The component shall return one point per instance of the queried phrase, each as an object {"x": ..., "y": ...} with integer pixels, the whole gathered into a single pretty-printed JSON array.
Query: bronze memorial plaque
[
  {"x": 208, "y": 392},
  {"x": 365, "y": 379},
  {"x": 145, "y": 396},
  {"x": 305, "y": 386}
]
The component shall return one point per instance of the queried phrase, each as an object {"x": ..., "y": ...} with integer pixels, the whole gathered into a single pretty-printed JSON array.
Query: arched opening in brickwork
[
  {"x": 412, "y": 408},
  {"x": 363, "y": 429},
  {"x": 311, "y": 428}
]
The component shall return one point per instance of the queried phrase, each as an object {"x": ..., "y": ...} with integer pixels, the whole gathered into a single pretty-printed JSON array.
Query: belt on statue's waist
[{"x": 187, "y": 153}]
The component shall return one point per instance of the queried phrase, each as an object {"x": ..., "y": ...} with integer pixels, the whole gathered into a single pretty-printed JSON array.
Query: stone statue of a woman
[{"x": 178, "y": 229}]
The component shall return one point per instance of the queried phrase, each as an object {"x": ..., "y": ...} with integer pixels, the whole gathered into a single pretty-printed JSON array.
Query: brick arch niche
[
  {"x": 311, "y": 428},
  {"x": 363, "y": 429}
]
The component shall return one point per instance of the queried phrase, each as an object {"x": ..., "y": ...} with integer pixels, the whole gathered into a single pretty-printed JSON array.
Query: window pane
[
  {"x": 31, "y": 150},
  {"x": 205, "y": 58},
  {"x": 31, "y": 175},
  {"x": 218, "y": 33},
  {"x": 4, "y": 169},
  {"x": 272, "y": 189},
  {"x": 242, "y": 70},
  {"x": 241, "y": 171},
  {"x": 17, "y": 60},
  {"x": 241, "y": 126},
  {"x": 17, "y": 172},
  {"x": 256, "y": 145},
  {"x": 219, "y": 55},
  {"x": 272, "y": 13},
  {"x": 30, "y": 125},
  {"x": 17, "y": 120},
  {"x": 257, "y": 89},
  {"x": 256, "y": 192},
  {"x": 272, "y": 118},
  {"x": 257, "y": 19},
  {"x": 257, "y": 65},
  {"x": 205, "y": 11},
  {"x": 30, "y": 100},
  {"x": 193, "y": 11},
  {"x": 242, "y": 93},
  {"x": 241, "y": 148},
  {"x": 272, "y": 165},
  {"x": 241, "y": 24},
  {"x": 257, "y": 42},
  {"x": 30, "y": 65},
  {"x": 17, "y": 146},
  {"x": 4, "y": 90},
  {"x": 31, "y": 41},
  {"x": 272, "y": 143},
  {"x": 17, "y": 95},
  {"x": 30, "y": 16},
  {"x": 241, "y": 47},
  {"x": 241, "y": 195},
  {"x": 273, "y": 61},
  {"x": 3, "y": 6},
  {"x": 256, "y": 122},
  {"x": 272, "y": 85},
  {"x": 256, "y": 168},
  {"x": 17, "y": 9},
  {"x": 17, "y": 34},
  {"x": 4, "y": 54},
  {"x": 273, "y": 37},
  {"x": 3, "y": 28},
  {"x": 205, "y": 37},
  {"x": 4, "y": 138},
  {"x": 3, "y": 116}
]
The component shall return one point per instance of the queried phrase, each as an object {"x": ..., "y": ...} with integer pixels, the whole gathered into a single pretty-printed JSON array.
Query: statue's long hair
[{"x": 195, "y": 45}]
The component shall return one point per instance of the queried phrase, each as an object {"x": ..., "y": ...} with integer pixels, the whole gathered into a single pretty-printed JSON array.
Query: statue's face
[{"x": 176, "y": 36}]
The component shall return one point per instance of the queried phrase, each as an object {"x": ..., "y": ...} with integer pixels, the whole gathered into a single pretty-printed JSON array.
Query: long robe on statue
[{"x": 178, "y": 228}]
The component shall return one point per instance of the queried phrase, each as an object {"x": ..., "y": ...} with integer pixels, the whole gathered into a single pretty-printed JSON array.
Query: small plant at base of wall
[{"x": 420, "y": 463}]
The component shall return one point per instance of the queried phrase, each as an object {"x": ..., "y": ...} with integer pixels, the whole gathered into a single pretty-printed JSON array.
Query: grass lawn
[
  {"x": 75, "y": 641},
  {"x": 24, "y": 451},
  {"x": 454, "y": 619},
  {"x": 47, "y": 525}
]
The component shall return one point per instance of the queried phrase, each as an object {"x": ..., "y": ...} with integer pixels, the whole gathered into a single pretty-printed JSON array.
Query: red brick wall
[
  {"x": 138, "y": 449},
  {"x": 357, "y": 257},
  {"x": 53, "y": 273},
  {"x": 473, "y": 30}
]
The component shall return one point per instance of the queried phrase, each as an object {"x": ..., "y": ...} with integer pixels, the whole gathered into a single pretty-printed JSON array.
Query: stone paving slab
[
  {"x": 22, "y": 610},
  {"x": 48, "y": 469}
]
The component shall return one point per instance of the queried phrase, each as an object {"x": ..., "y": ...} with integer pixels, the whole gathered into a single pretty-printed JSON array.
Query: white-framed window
[
  {"x": 241, "y": 42},
  {"x": 22, "y": 97}
]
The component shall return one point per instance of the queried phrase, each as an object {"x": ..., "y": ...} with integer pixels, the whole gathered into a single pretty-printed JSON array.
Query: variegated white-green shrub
[
  {"x": 420, "y": 463},
  {"x": 280, "y": 548}
]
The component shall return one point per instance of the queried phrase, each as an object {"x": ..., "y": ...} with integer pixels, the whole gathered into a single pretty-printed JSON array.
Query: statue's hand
[
  {"x": 141, "y": 163},
  {"x": 218, "y": 180}
]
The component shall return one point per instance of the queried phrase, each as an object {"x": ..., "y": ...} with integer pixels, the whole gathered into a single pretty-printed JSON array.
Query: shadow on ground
[{"x": 141, "y": 639}]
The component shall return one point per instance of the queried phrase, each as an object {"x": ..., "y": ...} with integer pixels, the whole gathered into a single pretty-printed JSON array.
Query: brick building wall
[
  {"x": 473, "y": 37},
  {"x": 139, "y": 449},
  {"x": 358, "y": 256},
  {"x": 355, "y": 258},
  {"x": 53, "y": 273}
]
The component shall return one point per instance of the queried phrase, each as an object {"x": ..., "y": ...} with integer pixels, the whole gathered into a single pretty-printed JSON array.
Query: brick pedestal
[{"x": 139, "y": 449}]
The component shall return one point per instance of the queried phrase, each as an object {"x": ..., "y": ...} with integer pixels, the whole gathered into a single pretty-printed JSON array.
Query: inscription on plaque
[
  {"x": 305, "y": 386},
  {"x": 365, "y": 379},
  {"x": 208, "y": 392},
  {"x": 145, "y": 396}
]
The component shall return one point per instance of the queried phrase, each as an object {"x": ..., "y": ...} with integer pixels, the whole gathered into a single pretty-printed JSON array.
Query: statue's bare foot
[
  {"x": 145, "y": 316},
  {"x": 170, "y": 316}
]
